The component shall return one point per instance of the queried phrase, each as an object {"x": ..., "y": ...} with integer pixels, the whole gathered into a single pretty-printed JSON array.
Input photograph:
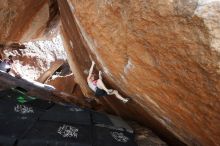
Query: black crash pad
[
  {"x": 24, "y": 111},
  {"x": 12, "y": 128},
  {"x": 40, "y": 104},
  {"x": 45, "y": 133},
  {"x": 16, "y": 96},
  {"x": 66, "y": 108},
  {"x": 105, "y": 136},
  {"x": 68, "y": 114},
  {"x": 13, "y": 96},
  {"x": 100, "y": 118}
]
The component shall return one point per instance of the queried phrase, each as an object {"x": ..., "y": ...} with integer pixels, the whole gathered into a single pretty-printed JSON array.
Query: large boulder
[
  {"x": 25, "y": 20},
  {"x": 163, "y": 54}
]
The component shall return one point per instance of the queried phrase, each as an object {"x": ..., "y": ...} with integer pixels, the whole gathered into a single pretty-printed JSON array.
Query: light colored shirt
[{"x": 92, "y": 86}]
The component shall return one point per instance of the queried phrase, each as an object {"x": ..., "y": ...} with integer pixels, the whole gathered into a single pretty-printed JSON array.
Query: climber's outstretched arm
[{"x": 91, "y": 70}]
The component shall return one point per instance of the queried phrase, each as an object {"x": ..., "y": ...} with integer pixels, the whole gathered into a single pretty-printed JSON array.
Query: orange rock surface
[
  {"x": 67, "y": 84},
  {"x": 25, "y": 20},
  {"x": 164, "y": 55}
]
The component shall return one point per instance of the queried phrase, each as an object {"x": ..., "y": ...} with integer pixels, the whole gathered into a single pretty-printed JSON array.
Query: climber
[
  {"x": 6, "y": 65},
  {"x": 99, "y": 87}
]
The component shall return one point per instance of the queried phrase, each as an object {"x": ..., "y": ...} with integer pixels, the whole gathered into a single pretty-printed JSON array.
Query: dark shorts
[{"x": 100, "y": 92}]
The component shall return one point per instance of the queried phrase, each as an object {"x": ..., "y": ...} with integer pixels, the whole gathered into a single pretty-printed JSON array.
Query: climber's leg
[{"x": 115, "y": 92}]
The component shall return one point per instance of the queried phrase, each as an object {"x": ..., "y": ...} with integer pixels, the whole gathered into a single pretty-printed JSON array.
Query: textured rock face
[
  {"x": 163, "y": 54},
  {"x": 66, "y": 84},
  {"x": 22, "y": 20},
  {"x": 37, "y": 57}
]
